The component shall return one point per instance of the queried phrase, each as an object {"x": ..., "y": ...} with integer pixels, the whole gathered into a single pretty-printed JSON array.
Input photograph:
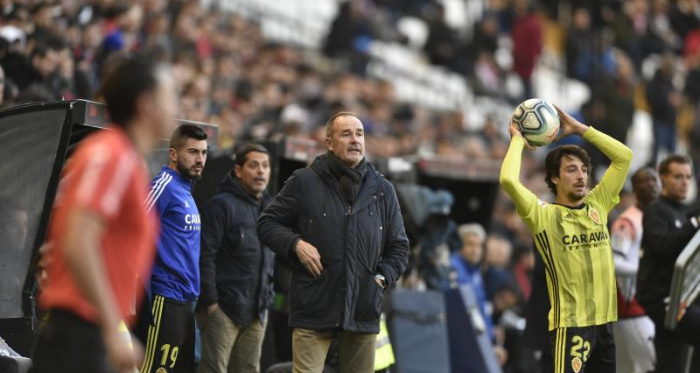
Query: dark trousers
[
  {"x": 69, "y": 344},
  {"x": 672, "y": 346},
  {"x": 664, "y": 137},
  {"x": 168, "y": 336},
  {"x": 588, "y": 349}
]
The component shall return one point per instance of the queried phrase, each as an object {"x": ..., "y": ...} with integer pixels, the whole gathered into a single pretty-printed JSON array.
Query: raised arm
[
  {"x": 611, "y": 184},
  {"x": 523, "y": 198},
  {"x": 608, "y": 190}
]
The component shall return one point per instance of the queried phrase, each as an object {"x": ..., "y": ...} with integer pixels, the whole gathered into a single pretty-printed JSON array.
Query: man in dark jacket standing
[
  {"x": 668, "y": 227},
  {"x": 339, "y": 223},
  {"x": 236, "y": 268}
]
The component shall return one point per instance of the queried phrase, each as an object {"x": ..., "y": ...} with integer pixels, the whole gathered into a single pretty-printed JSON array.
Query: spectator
[
  {"x": 523, "y": 267},
  {"x": 339, "y": 224},
  {"x": 466, "y": 264},
  {"x": 43, "y": 64},
  {"x": 442, "y": 46},
  {"x": 630, "y": 28},
  {"x": 236, "y": 267},
  {"x": 682, "y": 18},
  {"x": 485, "y": 37},
  {"x": 661, "y": 36},
  {"x": 347, "y": 33},
  {"x": 617, "y": 91},
  {"x": 664, "y": 101},
  {"x": 495, "y": 265},
  {"x": 692, "y": 95},
  {"x": 580, "y": 47},
  {"x": 43, "y": 20},
  {"x": 527, "y": 43},
  {"x": 123, "y": 21},
  {"x": 668, "y": 226}
]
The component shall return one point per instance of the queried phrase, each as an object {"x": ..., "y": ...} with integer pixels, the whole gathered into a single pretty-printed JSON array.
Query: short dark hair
[
  {"x": 331, "y": 121},
  {"x": 125, "y": 84},
  {"x": 242, "y": 153},
  {"x": 184, "y": 132},
  {"x": 553, "y": 162},
  {"x": 639, "y": 172},
  {"x": 665, "y": 165},
  {"x": 40, "y": 50}
]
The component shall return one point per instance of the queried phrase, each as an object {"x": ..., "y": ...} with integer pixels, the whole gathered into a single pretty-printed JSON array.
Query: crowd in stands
[{"x": 635, "y": 55}]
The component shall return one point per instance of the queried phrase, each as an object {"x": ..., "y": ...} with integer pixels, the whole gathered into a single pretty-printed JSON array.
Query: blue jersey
[{"x": 176, "y": 269}]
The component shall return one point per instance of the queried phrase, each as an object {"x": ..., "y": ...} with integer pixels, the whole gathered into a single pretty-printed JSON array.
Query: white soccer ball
[{"x": 537, "y": 120}]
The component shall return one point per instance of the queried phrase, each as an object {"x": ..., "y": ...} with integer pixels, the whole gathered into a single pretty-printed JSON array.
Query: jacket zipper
[
  {"x": 342, "y": 309},
  {"x": 262, "y": 272}
]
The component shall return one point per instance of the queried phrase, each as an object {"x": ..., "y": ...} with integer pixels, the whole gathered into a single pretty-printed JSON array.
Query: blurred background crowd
[{"x": 630, "y": 68}]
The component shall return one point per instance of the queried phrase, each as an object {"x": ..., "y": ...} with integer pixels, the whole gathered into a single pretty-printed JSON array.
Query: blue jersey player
[{"x": 168, "y": 333}]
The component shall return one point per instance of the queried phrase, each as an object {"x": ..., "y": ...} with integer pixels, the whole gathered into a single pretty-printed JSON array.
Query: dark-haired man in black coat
[
  {"x": 236, "y": 269},
  {"x": 668, "y": 226}
]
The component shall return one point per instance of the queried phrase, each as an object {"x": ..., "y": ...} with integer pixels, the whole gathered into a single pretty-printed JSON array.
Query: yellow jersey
[{"x": 574, "y": 242}]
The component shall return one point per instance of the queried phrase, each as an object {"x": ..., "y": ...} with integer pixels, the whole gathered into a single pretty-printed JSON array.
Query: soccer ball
[{"x": 537, "y": 120}]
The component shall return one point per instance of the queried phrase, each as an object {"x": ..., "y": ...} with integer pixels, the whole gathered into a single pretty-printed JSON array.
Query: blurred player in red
[{"x": 101, "y": 235}]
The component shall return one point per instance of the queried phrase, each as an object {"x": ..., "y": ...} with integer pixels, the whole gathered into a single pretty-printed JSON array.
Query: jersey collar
[{"x": 177, "y": 177}]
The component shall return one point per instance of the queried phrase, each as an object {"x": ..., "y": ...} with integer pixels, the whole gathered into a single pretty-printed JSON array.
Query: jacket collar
[
  {"x": 371, "y": 184},
  {"x": 320, "y": 165}
]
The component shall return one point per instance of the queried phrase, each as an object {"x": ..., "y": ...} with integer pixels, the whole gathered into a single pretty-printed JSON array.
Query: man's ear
[
  {"x": 329, "y": 144},
  {"x": 172, "y": 153},
  {"x": 237, "y": 170}
]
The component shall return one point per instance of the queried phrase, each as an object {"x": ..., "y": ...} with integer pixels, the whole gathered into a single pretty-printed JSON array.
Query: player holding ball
[{"x": 572, "y": 237}]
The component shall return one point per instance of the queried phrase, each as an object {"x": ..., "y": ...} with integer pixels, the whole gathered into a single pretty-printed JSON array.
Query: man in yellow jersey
[{"x": 573, "y": 240}]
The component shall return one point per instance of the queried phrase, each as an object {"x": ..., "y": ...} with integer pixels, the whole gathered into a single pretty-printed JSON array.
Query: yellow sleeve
[
  {"x": 607, "y": 192},
  {"x": 523, "y": 198}
]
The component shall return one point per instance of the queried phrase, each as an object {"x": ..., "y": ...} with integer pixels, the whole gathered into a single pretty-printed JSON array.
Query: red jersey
[{"x": 107, "y": 177}]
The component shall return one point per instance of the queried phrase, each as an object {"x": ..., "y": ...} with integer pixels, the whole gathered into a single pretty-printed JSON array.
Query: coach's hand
[
  {"x": 212, "y": 308},
  {"x": 308, "y": 256}
]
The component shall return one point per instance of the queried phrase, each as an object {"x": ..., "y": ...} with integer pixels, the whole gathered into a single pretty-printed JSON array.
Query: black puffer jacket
[
  {"x": 355, "y": 243},
  {"x": 236, "y": 269}
]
